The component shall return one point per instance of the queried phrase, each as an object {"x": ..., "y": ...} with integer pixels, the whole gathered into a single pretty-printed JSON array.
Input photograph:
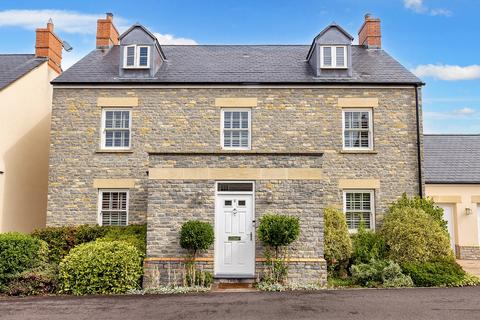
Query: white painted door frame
[{"x": 248, "y": 271}]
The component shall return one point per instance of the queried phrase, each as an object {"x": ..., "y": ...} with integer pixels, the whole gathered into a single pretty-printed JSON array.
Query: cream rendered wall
[
  {"x": 460, "y": 197},
  {"x": 25, "y": 108}
]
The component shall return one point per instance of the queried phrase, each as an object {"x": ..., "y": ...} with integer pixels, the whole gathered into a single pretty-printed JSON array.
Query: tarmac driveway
[{"x": 452, "y": 303}]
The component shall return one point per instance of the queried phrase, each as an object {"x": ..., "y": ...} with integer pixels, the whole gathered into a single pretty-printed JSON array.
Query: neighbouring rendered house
[
  {"x": 452, "y": 179},
  {"x": 161, "y": 134},
  {"x": 25, "y": 110}
]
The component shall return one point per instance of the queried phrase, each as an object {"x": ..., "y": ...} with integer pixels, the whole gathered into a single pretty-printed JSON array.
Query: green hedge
[
  {"x": 62, "y": 239},
  {"x": 338, "y": 245},
  {"x": 101, "y": 267},
  {"x": 368, "y": 245},
  {"x": 19, "y": 252},
  {"x": 444, "y": 272}
]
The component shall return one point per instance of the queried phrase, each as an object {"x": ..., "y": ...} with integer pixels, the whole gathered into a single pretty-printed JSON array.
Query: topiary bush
[
  {"x": 101, "y": 267},
  {"x": 367, "y": 245},
  {"x": 277, "y": 231},
  {"x": 196, "y": 236},
  {"x": 414, "y": 236},
  {"x": 442, "y": 272},
  {"x": 337, "y": 242},
  {"x": 62, "y": 239},
  {"x": 19, "y": 252},
  {"x": 380, "y": 273},
  {"x": 425, "y": 204}
]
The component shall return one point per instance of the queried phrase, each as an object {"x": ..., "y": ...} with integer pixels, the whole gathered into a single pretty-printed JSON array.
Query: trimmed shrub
[
  {"x": 196, "y": 236},
  {"x": 278, "y": 231},
  {"x": 444, "y": 272},
  {"x": 338, "y": 245},
  {"x": 425, "y": 204},
  {"x": 136, "y": 235},
  {"x": 380, "y": 273},
  {"x": 367, "y": 245},
  {"x": 414, "y": 236},
  {"x": 101, "y": 267},
  {"x": 19, "y": 252},
  {"x": 62, "y": 239},
  {"x": 40, "y": 280}
]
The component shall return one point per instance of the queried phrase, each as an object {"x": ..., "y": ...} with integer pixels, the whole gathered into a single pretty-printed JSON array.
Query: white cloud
[
  {"x": 171, "y": 39},
  {"x": 66, "y": 21},
  {"x": 448, "y": 72},
  {"x": 419, "y": 7},
  {"x": 461, "y": 113}
]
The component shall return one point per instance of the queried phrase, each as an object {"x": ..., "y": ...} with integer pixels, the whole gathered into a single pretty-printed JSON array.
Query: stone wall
[
  {"x": 183, "y": 120},
  {"x": 467, "y": 252}
]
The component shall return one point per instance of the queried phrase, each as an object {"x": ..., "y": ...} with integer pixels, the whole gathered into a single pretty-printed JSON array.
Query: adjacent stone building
[{"x": 143, "y": 133}]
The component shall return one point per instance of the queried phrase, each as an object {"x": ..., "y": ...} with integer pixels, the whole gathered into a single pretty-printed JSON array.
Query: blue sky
[{"x": 434, "y": 38}]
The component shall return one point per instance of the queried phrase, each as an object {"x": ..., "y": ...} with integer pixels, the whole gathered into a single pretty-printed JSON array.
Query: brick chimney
[
  {"x": 49, "y": 45},
  {"x": 370, "y": 34},
  {"x": 107, "y": 34}
]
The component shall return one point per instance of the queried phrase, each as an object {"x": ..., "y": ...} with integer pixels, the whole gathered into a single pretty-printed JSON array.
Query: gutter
[{"x": 419, "y": 148}]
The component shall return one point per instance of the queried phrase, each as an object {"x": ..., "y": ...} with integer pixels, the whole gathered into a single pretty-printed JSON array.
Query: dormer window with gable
[
  {"x": 136, "y": 56},
  {"x": 333, "y": 57}
]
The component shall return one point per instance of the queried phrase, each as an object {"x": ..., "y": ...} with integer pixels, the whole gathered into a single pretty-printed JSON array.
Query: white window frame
[
  {"x": 222, "y": 117},
  {"x": 372, "y": 206},
  {"x": 99, "y": 206},
  {"x": 370, "y": 129},
  {"x": 334, "y": 57},
  {"x": 136, "y": 64},
  {"x": 104, "y": 130}
]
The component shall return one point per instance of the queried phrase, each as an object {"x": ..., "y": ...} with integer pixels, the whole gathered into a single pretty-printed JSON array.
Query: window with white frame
[
  {"x": 358, "y": 205},
  {"x": 333, "y": 56},
  {"x": 236, "y": 128},
  {"x": 113, "y": 207},
  {"x": 116, "y": 128},
  {"x": 136, "y": 56},
  {"x": 357, "y": 129}
]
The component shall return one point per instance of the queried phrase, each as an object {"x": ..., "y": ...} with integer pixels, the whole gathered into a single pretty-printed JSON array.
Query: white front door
[
  {"x": 448, "y": 216},
  {"x": 234, "y": 236}
]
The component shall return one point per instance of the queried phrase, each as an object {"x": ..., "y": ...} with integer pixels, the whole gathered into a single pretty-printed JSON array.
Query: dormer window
[
  {"x": 333, "y": 57},
  {"x": 136, "y": 57}
]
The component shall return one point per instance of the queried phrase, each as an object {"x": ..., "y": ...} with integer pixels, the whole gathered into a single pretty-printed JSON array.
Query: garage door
[{"x": 448, "y": 216}]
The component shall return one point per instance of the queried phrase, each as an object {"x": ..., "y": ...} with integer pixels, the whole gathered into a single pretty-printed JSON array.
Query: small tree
[
  {"x": 195, "y": 236},
  {"x": 412, "y": 235},
  {"x": 277, "y": 232},
  {"x": 425, "y": 204},
  {"x": 338, "y": 245}
]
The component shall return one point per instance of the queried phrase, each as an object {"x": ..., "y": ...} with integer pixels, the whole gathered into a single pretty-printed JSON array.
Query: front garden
[{"x": 411, "y": 248}]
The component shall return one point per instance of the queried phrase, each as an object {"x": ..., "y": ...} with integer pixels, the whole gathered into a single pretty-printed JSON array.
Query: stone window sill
[
  {"x": 113, "y": 151},
  {"x": 359, "y": 152}
]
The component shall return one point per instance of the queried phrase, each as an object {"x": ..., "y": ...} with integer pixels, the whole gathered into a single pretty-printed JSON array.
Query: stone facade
[
  {"x": 180, "y": 128},
  {"x": 467, "y": 252}
]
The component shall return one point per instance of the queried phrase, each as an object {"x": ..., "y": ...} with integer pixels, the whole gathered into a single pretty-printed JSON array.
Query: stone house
[
  {"x": 25, "y": 112},
  {"x": 160, "y": 134},
  {"x": 452, "y": 179}
]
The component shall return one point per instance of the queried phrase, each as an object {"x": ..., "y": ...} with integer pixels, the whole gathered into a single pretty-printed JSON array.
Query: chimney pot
[
  {"x": 370, "y": 34},
  {"x": 48, "y": 45},
  {"x": 107, "y": 34}
]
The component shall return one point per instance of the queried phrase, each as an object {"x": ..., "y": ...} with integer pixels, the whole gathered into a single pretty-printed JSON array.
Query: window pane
[
  {"x": 225, "y": 186},
  {"x": 109, "y": 119},
  {"x": 235, "y": 139},
  {"x": 244, "y": 138},
  {"x": 227, "y": 117},
  {"x": 358, "y": 207},
  {"x": 227, "y": 138},
  {"x": 340, "y": 56},
  {"x": 235, "y": 120},
  {"x": 143, "y": 56},
  {"x": 327, "y": 56},
  {"x": 244, "y": 116},
  {"x": 114, "y": 208},
  {"x": 130, "y": 56},
  {"x": 365, "y": 121}
]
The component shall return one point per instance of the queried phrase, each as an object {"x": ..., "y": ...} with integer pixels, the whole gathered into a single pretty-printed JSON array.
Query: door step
[{"x": 233, "y": 284}]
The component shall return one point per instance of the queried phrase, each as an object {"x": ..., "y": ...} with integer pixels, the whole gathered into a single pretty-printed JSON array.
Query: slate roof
[
  {"x": 267, "y": 64},
  {"x": 452, "y": 158},
  {"x": 14, "y": 66}
]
